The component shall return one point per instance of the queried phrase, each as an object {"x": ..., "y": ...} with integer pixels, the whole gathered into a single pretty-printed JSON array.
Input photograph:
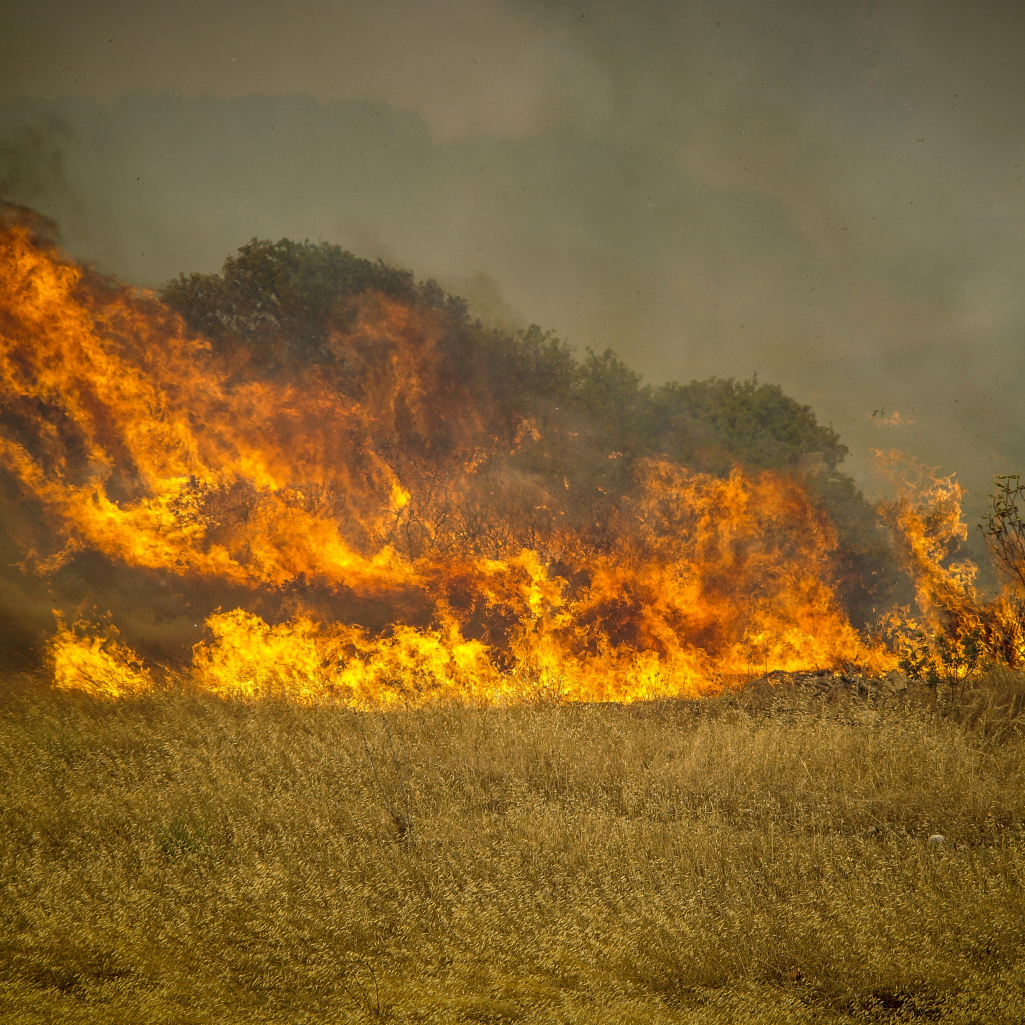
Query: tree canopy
[{"x": 279, "y": 302}]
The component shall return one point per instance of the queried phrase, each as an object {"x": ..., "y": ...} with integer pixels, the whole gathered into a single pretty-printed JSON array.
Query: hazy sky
[{"x": 828, "y": 194}]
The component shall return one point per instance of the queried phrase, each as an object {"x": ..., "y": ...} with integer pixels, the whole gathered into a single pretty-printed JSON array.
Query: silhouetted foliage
[
  {"x": 1004, "y": 527},
  {"x": 868, "y": 580}
]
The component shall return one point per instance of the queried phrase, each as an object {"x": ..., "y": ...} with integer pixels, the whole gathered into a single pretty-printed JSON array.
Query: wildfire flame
[
  {"x": 928, "y": 532},
  {"x": 380, "y": 544}
]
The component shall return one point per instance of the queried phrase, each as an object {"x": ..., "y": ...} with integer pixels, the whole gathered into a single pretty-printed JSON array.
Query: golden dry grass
[{"x": 181, "y": 859}]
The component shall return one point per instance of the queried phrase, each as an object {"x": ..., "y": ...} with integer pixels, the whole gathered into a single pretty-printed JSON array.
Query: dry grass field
[{"x": 746, "y": 859}]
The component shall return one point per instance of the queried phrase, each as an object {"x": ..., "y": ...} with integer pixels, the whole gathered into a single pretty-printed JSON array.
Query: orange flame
[
  {"x": 925, "y": 516},
  {"x": 927, "y": 529},
  {"x": 470, "y": 578}
]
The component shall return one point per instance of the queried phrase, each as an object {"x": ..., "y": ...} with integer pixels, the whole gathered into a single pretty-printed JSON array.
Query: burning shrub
[
  {"x": 389, "y": 520},
  {"x": 962, "y": 635}
]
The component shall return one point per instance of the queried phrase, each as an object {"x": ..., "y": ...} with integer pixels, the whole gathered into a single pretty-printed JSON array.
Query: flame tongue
[{"x": 391, "y": 542}]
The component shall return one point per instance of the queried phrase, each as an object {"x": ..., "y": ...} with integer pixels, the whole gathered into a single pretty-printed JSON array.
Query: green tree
[
  {"x": 716, "y": 423},
  {"x": 279, "y": 299}
]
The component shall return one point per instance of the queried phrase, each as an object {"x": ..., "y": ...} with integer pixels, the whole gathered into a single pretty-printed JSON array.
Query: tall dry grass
[{"x": 180, "y": 859}]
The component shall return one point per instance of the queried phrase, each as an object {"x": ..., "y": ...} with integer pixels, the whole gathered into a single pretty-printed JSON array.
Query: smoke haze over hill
[{"x": 830, "y": 196}]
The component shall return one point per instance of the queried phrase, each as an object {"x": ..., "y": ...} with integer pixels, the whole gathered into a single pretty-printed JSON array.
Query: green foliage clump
[
  {"x": 716, "y": 423},
  {"x": 279, "y": 298},
  {"x": 949, "y": 660}
]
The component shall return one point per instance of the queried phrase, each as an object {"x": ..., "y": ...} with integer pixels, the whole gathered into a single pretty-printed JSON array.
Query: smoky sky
[{"x": 828, "y": 195}]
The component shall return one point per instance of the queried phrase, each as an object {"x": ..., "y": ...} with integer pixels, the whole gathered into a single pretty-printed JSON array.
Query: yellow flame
[
  {"x": 142, "y": 446},
  {"x": 98, "y": 665}
]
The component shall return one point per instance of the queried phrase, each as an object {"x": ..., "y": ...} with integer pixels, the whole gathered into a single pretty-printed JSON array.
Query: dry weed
[{"x": 183, "y": 859}]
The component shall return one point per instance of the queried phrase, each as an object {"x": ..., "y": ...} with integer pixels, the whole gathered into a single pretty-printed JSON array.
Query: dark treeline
[{"x": 285, "y": 308}]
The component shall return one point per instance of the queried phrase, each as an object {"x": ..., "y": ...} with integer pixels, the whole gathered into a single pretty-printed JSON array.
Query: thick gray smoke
[{"x": 829, "y": 195}]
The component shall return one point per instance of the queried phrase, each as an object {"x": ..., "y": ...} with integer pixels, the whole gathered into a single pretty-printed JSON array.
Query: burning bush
[
  {"x": 961, "y": 635},
  {"x": 386, "y": 492}
]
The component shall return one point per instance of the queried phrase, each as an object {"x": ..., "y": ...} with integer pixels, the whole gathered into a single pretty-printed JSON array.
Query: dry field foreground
[{"x": 754, "y": 859}]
